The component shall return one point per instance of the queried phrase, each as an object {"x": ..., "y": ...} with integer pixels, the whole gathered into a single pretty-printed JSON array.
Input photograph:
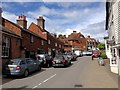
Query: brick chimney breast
[
  {"x": 74, "y": 31},
  {"x": 22, "y": 21},
  {"x": 41, "y": 22}
]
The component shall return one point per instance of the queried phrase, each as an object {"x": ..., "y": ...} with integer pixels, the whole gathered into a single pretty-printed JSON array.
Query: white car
[
  {"x": 78, "y": 53},
  {"x": 89, "y": 52}
]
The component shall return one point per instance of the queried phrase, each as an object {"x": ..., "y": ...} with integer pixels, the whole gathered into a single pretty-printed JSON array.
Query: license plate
[
  {"x": 56, "y": 64},
  {"x": 57, "y": 61},
  {"x": 11, "y": 68}
]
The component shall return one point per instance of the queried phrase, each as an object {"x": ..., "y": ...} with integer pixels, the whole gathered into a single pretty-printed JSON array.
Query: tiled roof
[
  {"x": 5, "y": 30},
  {"x": 19, "y": 28},
  {"x": 90, "y": 39},
  {"x": 37, "y": 30},
  {"x": 75, "y": 36}
]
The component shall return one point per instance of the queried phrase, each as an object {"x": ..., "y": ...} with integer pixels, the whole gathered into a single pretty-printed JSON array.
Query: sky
[{"x": 87, "y": 18}]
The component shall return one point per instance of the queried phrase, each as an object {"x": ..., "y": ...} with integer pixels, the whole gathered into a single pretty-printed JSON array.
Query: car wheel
[
  {"x": 48, "y": 65},
  {"x": 26, "y": 73},
  {"x": 39, "y": 68}
]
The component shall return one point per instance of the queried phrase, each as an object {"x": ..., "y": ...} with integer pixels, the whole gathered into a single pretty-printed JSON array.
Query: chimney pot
[
  {"x": 22, "y": 21},
  {"x": 41, "y": 22},
  {"x": 74, "y": 31},
  {"x": 88, "y": 36}
]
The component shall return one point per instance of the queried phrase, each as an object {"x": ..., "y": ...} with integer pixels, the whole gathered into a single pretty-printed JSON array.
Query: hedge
[{"x": 104, "y": 56}]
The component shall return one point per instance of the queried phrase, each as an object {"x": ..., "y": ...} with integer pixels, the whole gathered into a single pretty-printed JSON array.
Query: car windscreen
[
  {"x": 58, "y": 58},
  {"x": 14, "y": 62},
  {"x": 96, "y": 52}
]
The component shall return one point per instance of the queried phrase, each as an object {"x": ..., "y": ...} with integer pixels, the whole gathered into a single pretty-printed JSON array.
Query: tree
[
  {"x": 101, "y": 46},
  {"x": 59, "y": 35}
]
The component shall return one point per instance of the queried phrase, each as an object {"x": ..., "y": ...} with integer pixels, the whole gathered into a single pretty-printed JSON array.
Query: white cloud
[
  {"x": 12, "y": 17},
  {"x": 96, "y": 30},
  {"x": 9, "y": 16},
  {"x": 21, "y": 1},
  {"x": 74, "y": 0},
  {"x": 88, "y": 21}
]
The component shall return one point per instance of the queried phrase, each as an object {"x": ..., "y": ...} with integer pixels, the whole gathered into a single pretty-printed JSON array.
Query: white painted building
[{"x": 112, "y": 42}]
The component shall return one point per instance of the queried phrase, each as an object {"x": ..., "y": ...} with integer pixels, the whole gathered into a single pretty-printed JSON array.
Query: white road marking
[
  {"x": 44, "y": 81},
  {"x": 49, "y": 78},
  {"x": 40, "y": 83},
  {"x": 34, "y": 87},
  {"x": 0, "y": 87}
]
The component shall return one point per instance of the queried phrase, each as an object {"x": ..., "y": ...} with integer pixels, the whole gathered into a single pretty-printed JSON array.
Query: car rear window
[
  {"x": 14, "y": 62},
  {"x": 58, "y": 58}
]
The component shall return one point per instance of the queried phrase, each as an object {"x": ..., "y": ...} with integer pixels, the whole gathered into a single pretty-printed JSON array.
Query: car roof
[{"x": 21, "y": 58}]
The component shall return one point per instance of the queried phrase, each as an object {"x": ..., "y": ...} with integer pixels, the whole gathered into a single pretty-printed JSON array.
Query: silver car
[
  {"x": 22, "y": 66},
  {"x": 61, "y": 61}
]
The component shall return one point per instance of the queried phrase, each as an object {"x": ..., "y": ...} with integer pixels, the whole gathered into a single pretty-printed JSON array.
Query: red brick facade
[
  {"x": 75, "y": 41},
  {"x": 91, "y": 43},
  {"x": 32, "y": 41},
  {"x": 12, "y": 45},
  {"x": 54, "y": 45}
]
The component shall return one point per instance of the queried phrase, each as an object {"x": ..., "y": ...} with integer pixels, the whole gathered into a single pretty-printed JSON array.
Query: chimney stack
[
  {"x": 88, "y": 36},
  {"x": 22, "y": 21},
  {"x": 41, "y": 22},
  {"x": 74, "y": 31}
]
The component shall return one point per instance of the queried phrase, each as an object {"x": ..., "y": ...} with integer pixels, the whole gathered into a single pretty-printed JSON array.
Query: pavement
[
  {"x": 83, "y": 73},
  {"x": 113, "y": 75}
]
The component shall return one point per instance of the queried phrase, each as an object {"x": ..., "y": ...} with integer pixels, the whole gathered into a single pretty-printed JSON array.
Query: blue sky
[{"x": 62, "y": 17}]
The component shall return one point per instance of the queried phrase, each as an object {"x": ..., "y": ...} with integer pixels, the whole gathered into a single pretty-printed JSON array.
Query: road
[{"x": 83, "y": 73}]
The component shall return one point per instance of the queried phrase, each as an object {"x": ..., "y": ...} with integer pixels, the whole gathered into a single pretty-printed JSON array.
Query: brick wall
[
  {"x": 15, "y": 51},
  {"x": 37, "y": 42}
]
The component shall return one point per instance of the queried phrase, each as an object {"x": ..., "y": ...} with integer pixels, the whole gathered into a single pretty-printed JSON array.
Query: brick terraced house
[
  {"x": 67, "y": 44},
  {"x": 19, "y": 42},
  {"x": 77, "y": 41},
  {"x": 53, "y": 45},
  {"x": 91, "y": 43}
]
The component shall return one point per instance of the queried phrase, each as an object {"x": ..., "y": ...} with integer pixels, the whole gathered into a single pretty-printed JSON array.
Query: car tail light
[
  {"x": 18, "y": 68},
  {"x": 53, "y": 60},
  {"x": 64, "y": 60}
]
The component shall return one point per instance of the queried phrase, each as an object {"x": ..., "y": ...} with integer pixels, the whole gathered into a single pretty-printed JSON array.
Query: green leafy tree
[
  {"x": 59, "y": 35},
  {"x": 101, "y": 46}
]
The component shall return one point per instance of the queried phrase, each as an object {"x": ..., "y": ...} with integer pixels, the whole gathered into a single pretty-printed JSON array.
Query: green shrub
[{"x": 104, "y": 56}]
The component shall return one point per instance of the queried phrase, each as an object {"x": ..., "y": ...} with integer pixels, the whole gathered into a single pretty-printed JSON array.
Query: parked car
[
  {"x": 78, "y": 53},
  {"x": 74, "y": 57},
  {"x": 22, "y": 67},
  {"x": 84, "y": 53},
  {"x": 69, "y": 55},
  {"x": 61, "y": 60},
  {"x": 89, "y": 52},
  {"x": 45, "y": 59},
  {"x": 96, "y": 54}
]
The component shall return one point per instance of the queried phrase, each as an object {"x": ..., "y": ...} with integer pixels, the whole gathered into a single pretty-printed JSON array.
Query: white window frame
[
  {"x": 42, "y": 42},
  {"x": 56, "y": 44},
  {"x": 59, "y": 46},
  {"x": 5, "y": 48},
  {"x": 48, "y": 41},
  {"x": 31, "y": 39}
]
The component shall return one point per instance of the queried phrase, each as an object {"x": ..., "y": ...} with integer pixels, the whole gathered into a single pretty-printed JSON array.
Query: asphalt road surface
[{"x": 83, "y": 73}]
